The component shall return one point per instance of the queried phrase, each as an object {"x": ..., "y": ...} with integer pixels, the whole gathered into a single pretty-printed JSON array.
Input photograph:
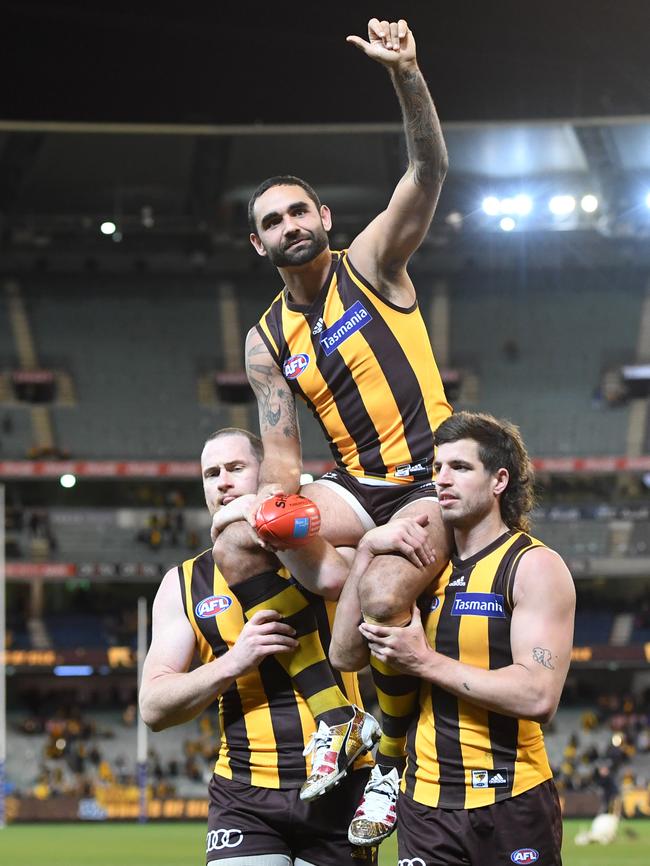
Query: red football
[{"x": 287, "y": 521}]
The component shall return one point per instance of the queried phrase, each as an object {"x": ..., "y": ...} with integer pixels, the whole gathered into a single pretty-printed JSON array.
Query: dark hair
[
  {"x": 256, "y": 443},
  {"x": 278, "y": 180},
  {"x": 499, "y": 446}
]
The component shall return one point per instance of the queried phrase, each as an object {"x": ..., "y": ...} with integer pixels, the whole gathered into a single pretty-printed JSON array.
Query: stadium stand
[{"x": 541, "y": 369}]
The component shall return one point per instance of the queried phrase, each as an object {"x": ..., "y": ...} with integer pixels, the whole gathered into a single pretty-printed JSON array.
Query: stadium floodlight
[
  {"x": 522, "y": 204},
  {"x": 108, "y": 228},
  {"x": 491, "y": 206},
  {"x": 507, "y": 224},
  {"x": 68, "y": 480},
  {"x": 562, "y": 205},
  {"x": 589, "y": 203}
]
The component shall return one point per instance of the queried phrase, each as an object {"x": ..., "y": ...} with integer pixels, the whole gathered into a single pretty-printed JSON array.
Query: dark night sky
[{"x": 281, "y": 62}]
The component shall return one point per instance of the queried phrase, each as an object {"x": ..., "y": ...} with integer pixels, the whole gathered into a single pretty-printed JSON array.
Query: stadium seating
[{"x": 539, "y": 342}]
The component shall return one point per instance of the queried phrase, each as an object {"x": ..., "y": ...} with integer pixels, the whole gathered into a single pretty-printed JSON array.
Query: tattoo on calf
[{"x": 543, "y": 657}]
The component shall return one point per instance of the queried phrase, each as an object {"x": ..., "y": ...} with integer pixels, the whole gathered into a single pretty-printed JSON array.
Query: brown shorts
[
  {"x": 245, "y": 821},
  {"x": 523, "y": 830},
  {"x": 376, "y": 504}
]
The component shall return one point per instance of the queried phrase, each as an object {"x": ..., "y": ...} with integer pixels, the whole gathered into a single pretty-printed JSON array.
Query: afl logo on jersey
[
  {"x": 435, "y": 603},
  {"x": 525, "y": 855},
  {"x": 212, "y": 605},
  {"x": 295, "y": 365}
]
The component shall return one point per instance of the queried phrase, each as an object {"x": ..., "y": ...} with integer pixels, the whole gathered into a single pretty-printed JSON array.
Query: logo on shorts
[
  {"x": 212, "y": 605},
  {"x": 488, "y": 604},
  {"x": 352, "y": 320},
  {"x": 218, "y": 839},
  {"x": 416, "y": 861},
  {"x": 295, "y": 366},
  {"x": 524, "y": 855}
]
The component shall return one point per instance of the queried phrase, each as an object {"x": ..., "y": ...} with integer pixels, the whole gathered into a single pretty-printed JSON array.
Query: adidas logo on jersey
[
  {"x": 318, "y": 327},
  {"x": 497, "y": 779},
  {"x": 460, "y": 581}
]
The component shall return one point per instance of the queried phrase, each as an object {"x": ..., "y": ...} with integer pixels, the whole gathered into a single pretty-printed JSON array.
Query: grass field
[{"x": 182, "y": 845}]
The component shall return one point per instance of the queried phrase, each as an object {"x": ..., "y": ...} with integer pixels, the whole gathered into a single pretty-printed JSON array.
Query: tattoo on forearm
[
  {"x": 467, "y": 687},
  {"x": 424, "y": 141},
  {"x": 290, "y": 429},
  {"x": 543, "y": 657}
]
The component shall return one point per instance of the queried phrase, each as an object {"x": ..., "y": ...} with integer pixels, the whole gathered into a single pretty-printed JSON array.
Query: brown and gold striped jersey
[
  {"x": 461, "y": 756},
  {"x": 366, "y": 370},
  {"x": 264, "y": 721}
]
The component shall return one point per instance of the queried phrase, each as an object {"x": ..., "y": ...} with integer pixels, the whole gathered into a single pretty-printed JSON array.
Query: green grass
[{"x": 182, "y": 845}]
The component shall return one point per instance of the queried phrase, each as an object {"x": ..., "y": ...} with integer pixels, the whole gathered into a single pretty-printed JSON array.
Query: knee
[
  {"x": 383, "y": 602},
  {"x": 237, "y": 554}
]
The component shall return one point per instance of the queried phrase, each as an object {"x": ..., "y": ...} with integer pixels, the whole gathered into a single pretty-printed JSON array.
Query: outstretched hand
[{"x": 389, "y": 42}]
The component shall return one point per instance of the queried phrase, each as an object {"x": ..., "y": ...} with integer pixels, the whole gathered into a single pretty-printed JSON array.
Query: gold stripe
[
  {"x": 427, "y": 777},
  {"x": 327, "y": 699},
  {"x": 373, "y": 388},
  {"x": 392, "y": 746},
  {"x": 312, "y": 648},
  {"x": 398, "y": 706},
  {"x": 298, "y": 337},
  {"x": 255, "y": 708},
  {"x": 409, "y": 330},
  {"x": 532, "y": 766},
  {"x": 286, "y": 603}
]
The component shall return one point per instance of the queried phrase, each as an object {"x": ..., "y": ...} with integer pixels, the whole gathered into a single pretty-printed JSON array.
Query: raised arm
[
  {"x": 282, "y": 464},
  {"x": 541, "y": 636},
  {"x": 381, "y": 252},
  {"x": 170, "y": 693}
]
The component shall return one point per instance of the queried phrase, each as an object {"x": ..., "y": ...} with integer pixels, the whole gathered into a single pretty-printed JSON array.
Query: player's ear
[
  {"x": 257, "y": 243},
  {"x": 326, "y": 217},
  {"x": 501, "y": 478}
]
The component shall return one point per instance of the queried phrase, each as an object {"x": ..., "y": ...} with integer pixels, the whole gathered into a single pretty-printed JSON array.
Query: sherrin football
[{"x": 287, "y": 521}]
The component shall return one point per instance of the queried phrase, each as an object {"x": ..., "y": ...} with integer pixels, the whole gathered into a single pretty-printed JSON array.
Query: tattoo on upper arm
[
  {"x": 424, "y": 140},
  {"x": 467, "y": 687},
  {"x": 275, "y": 403},
  {"x": 543, "y": 657}
]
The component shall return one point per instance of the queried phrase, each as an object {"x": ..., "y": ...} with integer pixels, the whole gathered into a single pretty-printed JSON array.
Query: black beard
[{"x": 311, "y": 247}]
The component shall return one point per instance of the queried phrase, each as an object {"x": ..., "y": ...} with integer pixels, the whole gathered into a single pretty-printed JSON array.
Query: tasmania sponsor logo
[
  {"x": 295, "y": 366},
  {"x": 524, "y": 855},
  {"x": 478, "y": 604},
  {"x": 352, "y": 320},
  {"x": 212, "y": 605}
]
